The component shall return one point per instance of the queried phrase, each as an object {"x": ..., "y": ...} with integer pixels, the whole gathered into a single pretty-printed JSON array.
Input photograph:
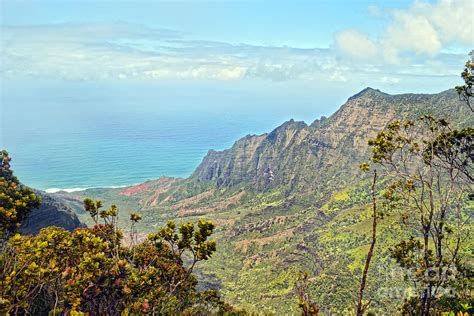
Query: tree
[
  {"x": 465, "y": 91},
  {"x": 361, "y": 306},
  {"x": 16, "y": 200},
  {"x": 430, "y": 167},
  {"x": 90, "y": 270},
  {"x": 307, "y": 306}
]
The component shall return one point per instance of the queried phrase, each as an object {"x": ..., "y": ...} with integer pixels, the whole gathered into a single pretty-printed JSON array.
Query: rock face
[
  {"x": 52, "y": 212},
  {"x": 253, "y": 159},
  {"x": 302, "y": 157}
]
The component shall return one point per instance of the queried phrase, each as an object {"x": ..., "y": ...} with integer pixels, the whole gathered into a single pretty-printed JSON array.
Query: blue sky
[
  {"x": 326, "y": 46},
  {"x": 291, "y": 23}
]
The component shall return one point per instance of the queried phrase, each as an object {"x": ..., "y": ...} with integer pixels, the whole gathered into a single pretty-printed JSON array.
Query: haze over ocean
[{"x": 78, "y": 135}]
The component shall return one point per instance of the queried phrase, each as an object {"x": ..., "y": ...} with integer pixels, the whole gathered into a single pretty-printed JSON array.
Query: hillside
[
  {"x": 290, "y": 200},
  {"x": 51, "y": 212}
]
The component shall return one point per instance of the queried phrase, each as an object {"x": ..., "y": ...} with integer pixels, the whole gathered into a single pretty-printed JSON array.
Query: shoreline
[
  {"x": 71, "y": 190},
  {"x": 79, "y": 189}
]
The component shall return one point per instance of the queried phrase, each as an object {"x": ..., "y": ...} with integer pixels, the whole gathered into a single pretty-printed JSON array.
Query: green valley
[{"x": 288, "y": 201}]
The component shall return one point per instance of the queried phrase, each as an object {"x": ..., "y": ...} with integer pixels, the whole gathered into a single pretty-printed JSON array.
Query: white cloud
[
  {"x": 355, "y": 44},
  {"x": 452, "y": 19},
  {"x": 411, "y": 32},
  {"x": 338, "y": 76},
  {"x": 124, "y": 51},
  {"x": 424, "y": 29},
  {"x": 127, "y": 51}
]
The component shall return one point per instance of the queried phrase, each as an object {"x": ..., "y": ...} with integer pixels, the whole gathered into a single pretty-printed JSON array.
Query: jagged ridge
[{"x": 294, "y": 153}]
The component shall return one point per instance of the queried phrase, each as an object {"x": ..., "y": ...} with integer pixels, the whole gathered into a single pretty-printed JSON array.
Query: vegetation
[
  {"x": 319, "y": 222},
  {"x": 429, "y": 167},
  {"x": 16, "y": 200},
  {"x": 465, "y": 91},
  {"x": 286, "y": 202},
  {"x": 94, "y": 271}
]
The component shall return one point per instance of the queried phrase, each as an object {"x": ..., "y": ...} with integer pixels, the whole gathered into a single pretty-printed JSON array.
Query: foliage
[
  {"x": 307, "y": 307},
  {"x": 361, "y": 304},
  {"x": 453, "y": 148},
  {"x": 465, "y": 91},
  {"x": 92, "y": 271},
  {"x": 430, "y": 167},
  {"x": 16, "y": 200},
  {"x": 315, "y": 215}
]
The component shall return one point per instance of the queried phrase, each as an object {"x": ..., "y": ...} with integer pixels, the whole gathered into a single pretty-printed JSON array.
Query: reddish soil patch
[
  {"x": 133, "y": 190},
  {"x": 154, "y": 200}
]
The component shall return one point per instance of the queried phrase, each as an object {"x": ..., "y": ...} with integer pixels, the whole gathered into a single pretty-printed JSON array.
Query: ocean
[{"x": 78, "y": 135}]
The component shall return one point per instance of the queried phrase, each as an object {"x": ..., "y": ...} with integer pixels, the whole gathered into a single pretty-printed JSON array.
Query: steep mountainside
[
  {"x": 296, "y": 158},
  {"x": 290, "y": 200},
  {"x": 294, "y": 154},
  {"x": 51, "y": 212}
]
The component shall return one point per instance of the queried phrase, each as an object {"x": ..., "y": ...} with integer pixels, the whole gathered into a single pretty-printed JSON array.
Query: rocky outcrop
[
  {"x": 253, "y": 159},
  {"x": 52, "y": 212}
]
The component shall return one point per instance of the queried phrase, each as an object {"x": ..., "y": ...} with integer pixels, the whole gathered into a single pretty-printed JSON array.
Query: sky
[{"x": 306, "y": 49}]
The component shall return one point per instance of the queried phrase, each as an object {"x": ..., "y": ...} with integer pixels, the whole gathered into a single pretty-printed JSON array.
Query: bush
[{"x": 91, "y": 270}]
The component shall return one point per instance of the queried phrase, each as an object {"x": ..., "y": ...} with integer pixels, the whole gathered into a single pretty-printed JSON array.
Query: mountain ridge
[
  {"x": 361, "y": 117},
  {"x": 285, "y": 201},
  {"x": 290, "y": 153}
]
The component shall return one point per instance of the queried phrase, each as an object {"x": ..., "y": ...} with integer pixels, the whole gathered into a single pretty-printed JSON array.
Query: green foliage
[
  {"x": 430, "y": 166},
  {"x": 304, "y": 302},
  {"x": 453, "y": 148},
  {"x": 313, "y": 216},
  {"x": 91, "y": 271},
  {"x": 134, "y": 217},
  {"x": 188, "y": 239},
  {"x": 16, "y": 200},
  {"x": 406, "y": 251},
  {"x": 465, "y": 91}
]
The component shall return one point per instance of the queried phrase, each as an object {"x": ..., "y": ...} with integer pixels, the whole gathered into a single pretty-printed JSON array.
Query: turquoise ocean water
[{"x": 83, "y": 136}]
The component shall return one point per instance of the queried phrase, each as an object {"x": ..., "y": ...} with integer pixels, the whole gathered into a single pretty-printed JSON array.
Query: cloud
[
  {"x": 423, "y": 29},
  {"x": 355, "y": 44},
  {"x": 104, "y": 51},
  {"x": 410, "y": 32},
  {"x": 123, "y": 51},
  {"x": 452, "y": 19},
  {"x": 338, "y": 76}
]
